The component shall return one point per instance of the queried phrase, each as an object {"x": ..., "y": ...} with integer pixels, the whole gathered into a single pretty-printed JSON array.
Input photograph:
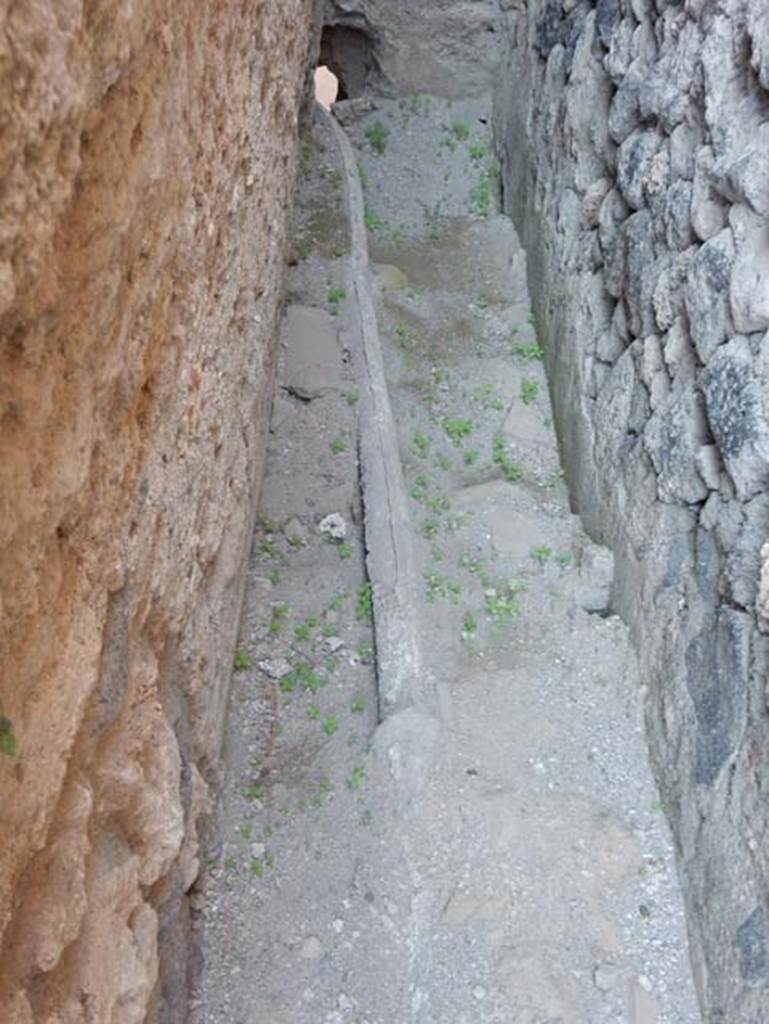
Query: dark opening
[{"x": 348, "y": 55}]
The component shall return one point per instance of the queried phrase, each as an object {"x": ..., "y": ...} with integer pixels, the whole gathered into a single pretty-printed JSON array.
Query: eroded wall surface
[
  {"x": 634, "y": 138},
  {"x": 146, "y": 162},
  {"x": 443, "y": 47}
]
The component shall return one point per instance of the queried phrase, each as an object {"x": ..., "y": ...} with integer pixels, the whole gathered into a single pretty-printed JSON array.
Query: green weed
[
  {"x": 372, "y": 220},
  {"x": 429, "y": 527},
  {"x": 357, "y": 777},
  {"x": 336, "y": 295},
  {"x": 511, "y": 471},
  {"x": 421, "y": 443},
  {"x": 529, "y": 390},
  {"x": 457, "y": 429},
  {"x": 541, "y": 553},
  {"x": 365, "y": 606},
  {"x": 529, "y": 350},
  {"x": 242, "y": 659},
  {"x": 377, "y": 135},
  {"x": 441, "y": 586},
  {"x": 279, "y": 614}
]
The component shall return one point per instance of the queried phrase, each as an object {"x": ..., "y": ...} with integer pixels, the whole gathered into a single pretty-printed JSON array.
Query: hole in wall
[
  {"x": 326, "y": 86},
  {"x": 347, "y": 54}
]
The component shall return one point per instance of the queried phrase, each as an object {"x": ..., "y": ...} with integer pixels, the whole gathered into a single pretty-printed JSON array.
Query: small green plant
[
  {"x": 336, "y": 295},
  {"x": 442, "y": 586},
  {"x": 267, "y": 524},
  {"x": 253, "y": 791},
  {"x": 477, "y": 151},
  {"x": 563, "y": 558},
  {"x": 230, "y": 864},
  {"x": 470, "y": 457},
  {"x": 529, "y": 390},
  {"x": 351, "y": 397},
  {"x": 437, "y": 503},
  {"x": 365, "y": 651},
  {"x": 345, "y": 550},
  {"x": 511, "y": 471},
  {"x": 357, "y": 777},
  {"x": 304, "y": 675},
  {"x": 404, "y": 335},
  {"x": 330, "y": 725},
  {"x": 429, "y": 527},
  {"x": 337, "y": 601},
  {"x": 279, "y": 615},
  {"x": 8, "y": 745},
  {"x": 541, "y": 553},
  {"x": 529, "y": 350},
  {"x": 457, "y": 429},
  {"x": 246, "y": 831},
  {"x": 482, "y": 302},
  {"x": 363, "y": 177},
  {"x": 275, "y": 576},
  {"x": 358, "y": 705},
  {"x": 421, "y": 443},
  {"x": 257, "y": 867},
  {"x": 461, "y": 130},
  {"x": 443, "y": 461},
  {"x": 482, "y": 194},
  {"x": 377, "y": 135},
  {"x": 338, "y": 445},
  {"x": 267, "y": 547},
  {"x": 420, "y": 487},
  {"x": 242, "y": 659},
  {"x": 469, "y": 562},
  {"x": 365, "y": 606},
  {"x": 501, "y": 601},
  {"x": 372, "y": 220},
  {"x": 469, "y": 625},
  {"x": 295, "y": 541},
  {"x": 304, "y": 630},
  {"x": 313, "y": 712}
]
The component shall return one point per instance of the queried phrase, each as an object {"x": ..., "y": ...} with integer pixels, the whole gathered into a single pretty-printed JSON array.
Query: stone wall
[
  {"x": 634, "y": 140},
  {"x": 146, "y": 162}
]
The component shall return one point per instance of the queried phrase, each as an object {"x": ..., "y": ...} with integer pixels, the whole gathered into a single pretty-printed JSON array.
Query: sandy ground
[{"x": 526, "y": 876}]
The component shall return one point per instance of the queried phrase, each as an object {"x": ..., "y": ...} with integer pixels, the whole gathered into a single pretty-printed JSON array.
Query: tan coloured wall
[{"x": 146, "y": 161}]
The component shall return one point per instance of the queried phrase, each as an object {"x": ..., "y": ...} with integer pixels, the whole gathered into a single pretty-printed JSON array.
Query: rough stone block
[
  {"x": 749, "y": 290},
  {"x": 638, "y": 168},
  {"x": 672, "y": 439},
  {"x": 708, "y": 212},
  {"x": 717, "y": 666},
  {"x": 707, "y": 293},
  {"x": 638, "y": 232},
  {"x": 752, "y": 942},
  {"x": 733, "y": 400}
]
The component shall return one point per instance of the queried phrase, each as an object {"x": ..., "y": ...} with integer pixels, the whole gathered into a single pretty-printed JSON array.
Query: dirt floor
[{"x": 520, "y": 870}]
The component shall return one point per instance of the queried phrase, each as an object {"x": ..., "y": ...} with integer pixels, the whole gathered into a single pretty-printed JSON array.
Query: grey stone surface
[{"x": 667, "y": 458}]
